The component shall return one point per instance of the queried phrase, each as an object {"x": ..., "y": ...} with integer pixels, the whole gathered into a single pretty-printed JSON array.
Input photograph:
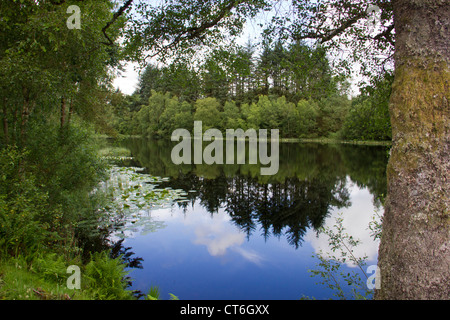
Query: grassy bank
[
  {"x": 283, "y": 140},
  {"x": 48, "y": 277},
  {"x": 52, "y": 216},
  {"x": 336, "y": 141}
]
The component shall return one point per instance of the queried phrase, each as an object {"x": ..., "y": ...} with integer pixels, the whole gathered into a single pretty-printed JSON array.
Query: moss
[
  {"x": 416, "y": 220},
  {"x": 415, "y": 103},
  {"x": 419, "y": 110}
]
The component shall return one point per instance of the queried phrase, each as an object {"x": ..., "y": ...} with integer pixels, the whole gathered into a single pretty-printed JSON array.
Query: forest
[
  {"x": 58, "y": 60},
  {"x": 291, "y": 87}
]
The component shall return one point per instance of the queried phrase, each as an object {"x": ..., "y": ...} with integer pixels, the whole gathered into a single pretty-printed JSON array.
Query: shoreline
[{"x": 282, "y": 140}]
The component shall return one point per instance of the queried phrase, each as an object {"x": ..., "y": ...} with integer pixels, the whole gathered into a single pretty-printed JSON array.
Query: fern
[
  {"x": 106, "y": 277},
  {"x": 173, "y": 297}
]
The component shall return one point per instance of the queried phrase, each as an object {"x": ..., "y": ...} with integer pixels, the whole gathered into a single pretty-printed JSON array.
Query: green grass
[
  {"x": 337, "y": 141},
  {"x": 290, "y": 140},
  {"x": 114, "y": 152},
  {"x": 45, "y": 278},
  {"x": 20, "y": 282}
]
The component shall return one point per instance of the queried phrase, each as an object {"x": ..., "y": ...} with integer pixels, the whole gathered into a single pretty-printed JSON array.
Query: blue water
[
  {"x": 216, "y": 247},
  {"x": 202, "y": 256}
]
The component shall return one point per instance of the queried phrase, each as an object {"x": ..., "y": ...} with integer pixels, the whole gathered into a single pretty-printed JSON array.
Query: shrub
[
  {"x": 307, "y": 113},
  {"x": 106, "y": 278},
  {"x": 207, "y": 111},
  {"x": 25, "y": 217}
]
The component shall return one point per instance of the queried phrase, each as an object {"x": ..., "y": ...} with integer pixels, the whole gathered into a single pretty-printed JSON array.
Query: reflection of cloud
[
  {"x": 217, "y": 241},
  {"x": 356, "y": 220},
  {"x": 249, "y": 255},
  {"x": 219, "y": 235}
]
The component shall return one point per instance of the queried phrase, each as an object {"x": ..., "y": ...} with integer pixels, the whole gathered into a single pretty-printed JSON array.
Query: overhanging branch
[
  {"x": 116, "y": 15},
  {"x": 330, "y": 34},
  {"x": 386, "y": 34}
]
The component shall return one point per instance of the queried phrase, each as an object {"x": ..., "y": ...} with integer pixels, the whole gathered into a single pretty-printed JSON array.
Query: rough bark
[
  {"x": 5, "y": 121},
  {"x": 63, "y": 112},
  {"x": 414, "y": 254},
  {"x": 70, "y": 111},
  {"x": 27, "y": 107}
]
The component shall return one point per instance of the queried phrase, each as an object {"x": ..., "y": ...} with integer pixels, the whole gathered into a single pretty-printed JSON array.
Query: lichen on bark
[{"x": 414, "y": 254}]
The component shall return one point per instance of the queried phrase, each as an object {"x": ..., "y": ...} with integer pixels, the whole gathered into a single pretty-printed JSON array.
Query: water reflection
[
  {"x": 240, "y": 235},
  {"x": 220, "y": 237},
  {"x": 355, "y": 220},
  {"x": 312, "y": 180}
]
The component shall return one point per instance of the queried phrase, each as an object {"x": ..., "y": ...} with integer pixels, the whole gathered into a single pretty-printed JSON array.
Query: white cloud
[
  {"x": 219, "y": 235},
  {"x": 249, "y": 255},
  {"x": 217, "y": 243},
  {"x": 215, "y": 232}
]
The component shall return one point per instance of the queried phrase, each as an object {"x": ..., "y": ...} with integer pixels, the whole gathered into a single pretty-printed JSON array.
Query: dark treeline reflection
[{"x": 311, "y": 179}]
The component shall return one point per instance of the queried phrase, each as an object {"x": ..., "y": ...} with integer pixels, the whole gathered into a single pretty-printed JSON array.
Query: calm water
[{"x": 240, "y": 235}]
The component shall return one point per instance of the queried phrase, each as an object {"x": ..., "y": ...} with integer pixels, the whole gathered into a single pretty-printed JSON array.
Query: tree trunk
[
  {"x": 63, "y": 112},
  {"x": 14, "y": 126},
  {"x": 414, "y": 254},
  {"x": 69, "y": 117},
  {"x": 5, "y": 121},
  {"x": 27, "y": 108}
]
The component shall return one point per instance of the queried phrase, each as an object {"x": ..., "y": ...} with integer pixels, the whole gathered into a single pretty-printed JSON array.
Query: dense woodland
[
  {"x": 290, "y": 87},
  {"x": 53, "y": 85}
]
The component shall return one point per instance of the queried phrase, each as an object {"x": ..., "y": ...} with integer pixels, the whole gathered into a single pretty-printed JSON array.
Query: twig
[{"x": 116, "y": 15}]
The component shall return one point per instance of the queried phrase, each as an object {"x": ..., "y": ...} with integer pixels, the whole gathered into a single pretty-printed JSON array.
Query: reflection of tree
[
  {"x": 240, "y": 202},
  {"x": 293, "y": 206},
  {"x": 211, "y": 192},
  {"x": 367, "y": 168},
  {"x": 311, "y": 179},
  {"x": 118, "y": 250}
]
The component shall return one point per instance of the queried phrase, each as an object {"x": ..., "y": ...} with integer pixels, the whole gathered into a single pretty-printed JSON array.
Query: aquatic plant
[{"x": 133, "y": 195}]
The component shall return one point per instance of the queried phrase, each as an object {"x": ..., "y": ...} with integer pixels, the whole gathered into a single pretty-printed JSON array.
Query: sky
[{"x": 129, "y": 79}]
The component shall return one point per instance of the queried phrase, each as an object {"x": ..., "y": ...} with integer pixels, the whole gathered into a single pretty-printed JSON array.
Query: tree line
[{"x": 290, "y": 87}]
